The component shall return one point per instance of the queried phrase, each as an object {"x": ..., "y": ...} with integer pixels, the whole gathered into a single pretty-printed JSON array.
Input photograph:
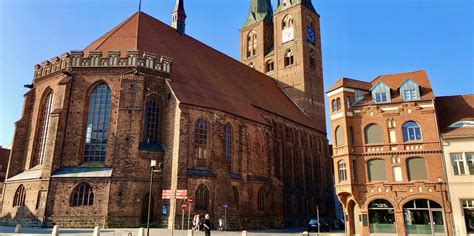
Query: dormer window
[
  {"x": 381, "y": 93},
  {"x": 410, "y": 90}
]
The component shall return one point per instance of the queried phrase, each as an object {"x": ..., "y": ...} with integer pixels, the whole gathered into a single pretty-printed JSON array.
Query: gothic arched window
[
  {"x": 98, "y": 123},
  {"x": 236, "y": 196},
  {"x": 82, "y": 195},
  {"x": 228, "y": 143},
  {"x": 287, "y": 22},
  {"x": 202, "y": 198},
  {"x": 200, "y": 140},
  {"x": 152, "y": 122},
  {"x": 270, "y": 66},
  {"x": 20, "y": 195},
  {"x": 289, "y": 58},
  {"x": 42, "y": 126},
  {"x": 261, "y": 199},
  {"x": 312, "y": 60},
  {"x": 251, "y": 44}
]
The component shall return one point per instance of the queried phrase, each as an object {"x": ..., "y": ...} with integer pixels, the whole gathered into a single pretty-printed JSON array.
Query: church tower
[
  {"x": 292, "y": 55},
  {"x": 179, "y": 17}
]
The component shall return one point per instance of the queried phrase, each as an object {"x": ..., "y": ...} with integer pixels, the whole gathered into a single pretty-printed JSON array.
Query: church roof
[
  {"x": 259, "y": 10},
  {"x": 454, "y": 109},
  {"x": 201, "y": 75}
]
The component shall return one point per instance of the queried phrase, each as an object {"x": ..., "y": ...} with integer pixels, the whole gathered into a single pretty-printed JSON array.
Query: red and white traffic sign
[
  {"x": 184, "y": 205},
  {"x": 190, "y": 199},
  {"x": 180, "y": 194}
]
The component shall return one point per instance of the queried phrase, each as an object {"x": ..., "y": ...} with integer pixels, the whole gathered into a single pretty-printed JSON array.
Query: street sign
[
  {"x": 190, "y": 199},
  {"x": 225, "y": 205},
  {"x": 183, "y": 206},
  {"x": 180, "y": 194}
]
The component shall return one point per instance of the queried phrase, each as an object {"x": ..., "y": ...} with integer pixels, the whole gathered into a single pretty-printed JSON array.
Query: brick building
[
  {"x": 225, "y": 132},
  {"x": 387, "y": 156},
  {"x": 4, "y": 155},
  {"x": 456, "y": 125}
]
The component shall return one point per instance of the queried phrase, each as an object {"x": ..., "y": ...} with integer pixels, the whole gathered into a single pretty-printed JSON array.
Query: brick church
[{"x": 247, "y": 134}]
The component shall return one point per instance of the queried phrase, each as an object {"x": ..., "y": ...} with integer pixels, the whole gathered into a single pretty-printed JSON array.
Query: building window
[
  {"x": 373, "y": 134},
  {"x": 351, "y": 136},
  {"x": 410, "y": 90},
  {"x": 382, "y": 217},
  {"x": 20, "y": 195},
  {"x": 463, "y": 163},
  {"x": 381, "y": 93},
  {"x": 312, "y": 60},
  {"x": 338, "y": 103},
  {"x": 200, "y": 140},
  {"x": 98, "y": 124},
  {"x": 348, "y": 102},
  {"x": 270, "y": 66},
  {"x": 43, "y": 125},
  {"x": 202, "y": 198},
  {"x": 309, "y": 22},
  {"x": 411, "y": 131},
  {"x": 468, "y": 209},
  {"x": 152, "y": 122},
  {"x": 397, "y": 174},
  {"x": 228, "y": 143},
  {"x": 342, "y": 170},
  {"x": 416, "y": 169},
  {"x": 340, "y": 141},
  {"x": 376, "y": 168},
  {"x": 334, "y": 105},
  {"x": 261, "y": 199},
  {"x": 354, "y": 170},
  {"x": 82, "y": 195},
  {"x": 289, "y": 59},
  {"x": 41, "y": 200},
  {"x": 359, "y": 95},
  {"x": 423, "y": 215},
  {"x": 287, "y": 22},
  {"x": 252, "y": 44}
]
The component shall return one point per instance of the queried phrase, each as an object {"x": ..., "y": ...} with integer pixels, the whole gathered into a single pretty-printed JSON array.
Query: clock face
[
  {"x": 288, "y": 35},
  {"x": 310, "y": 35}
]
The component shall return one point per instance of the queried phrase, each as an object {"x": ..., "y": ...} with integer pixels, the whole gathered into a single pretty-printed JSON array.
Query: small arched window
[
  {"x": 342, "y": 171},
  {"x": 43, "y": 126},
  {"x": 287, "y": 22},
  {"x": 270, "y": 66},
  {"x": 98, "y": 123},
  {"x": 312, "y": 60},
  {"x": 334, "y": 105},
  {"x": 416, "y": 169},
  {"x": 20, "y": 195},
  {"x": 340, "y": 141},
  {"x": 152, "y": 122},
  {"x": 338, "y": 103},
  {"x": 411, "y": 131},
  {"x": 236, "y": 196},
  {"x": 289, "y": 58},
  {"x": 376, "y": 168},
  {"x": 261, "y": 199},
  {"x": 228, "y": 143},
  {"x": 202, "y": 198},
  {"x": 348, "y": 102},
  {"x": 252, "y": 44},
  {"x": 82, "y": 195},
  {"x": 309, "y": 22},
  {"x": 373, "y": 134}
]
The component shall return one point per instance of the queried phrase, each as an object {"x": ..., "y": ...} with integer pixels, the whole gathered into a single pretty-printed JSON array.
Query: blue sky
[{"x": 361, "y": 38}]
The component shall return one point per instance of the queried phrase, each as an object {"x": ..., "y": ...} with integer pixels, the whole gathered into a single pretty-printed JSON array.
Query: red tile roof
[
  {"x": 394, "y": 81},
  {"x": 350, "y": 83},
  {"x": 201, "y": 75},
  {"x": 451, "y": 109}
]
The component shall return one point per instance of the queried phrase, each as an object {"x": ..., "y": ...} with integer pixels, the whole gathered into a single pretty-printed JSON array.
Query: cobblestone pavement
[{"x": 8, "y": 231}]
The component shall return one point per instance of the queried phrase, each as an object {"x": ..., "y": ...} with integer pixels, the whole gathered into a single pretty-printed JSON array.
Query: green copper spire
[
  {"x": 285, "y": 4},
  {"x": 259, "y": 10}
]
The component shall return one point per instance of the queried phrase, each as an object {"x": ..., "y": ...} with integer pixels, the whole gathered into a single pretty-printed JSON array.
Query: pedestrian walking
[
  {"x": 207, "y": 225},
  {"x": 221, "y": 224},
  {"x": 194, "y": 223}
]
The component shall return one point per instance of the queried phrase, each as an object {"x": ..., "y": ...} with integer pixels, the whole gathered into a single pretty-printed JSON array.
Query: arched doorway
[
  {"x": 424, "y": 217},
  {"x": 382, "y": 217},
  {"x": 355, "y": 221}
]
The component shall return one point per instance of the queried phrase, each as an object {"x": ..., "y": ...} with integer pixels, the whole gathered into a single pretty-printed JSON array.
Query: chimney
[{"x": 179, "y": 17}]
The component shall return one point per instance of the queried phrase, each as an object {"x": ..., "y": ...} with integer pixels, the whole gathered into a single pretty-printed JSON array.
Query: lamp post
[{"x": 153, "y": 165}]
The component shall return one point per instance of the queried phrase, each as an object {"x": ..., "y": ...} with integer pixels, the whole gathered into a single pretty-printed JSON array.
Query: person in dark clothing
[{"x": 207, "y": 226}]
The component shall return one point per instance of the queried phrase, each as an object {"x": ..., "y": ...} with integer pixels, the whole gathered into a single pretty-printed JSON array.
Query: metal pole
[
  {"x": 319, "y": 222},
  {"x": 149, "y": 203},
  {"x": 225, "y": 219},
  {"x": 189, "y": 213},
  {"x": 173, "y": 219},
  {"x": 182, "y": 223}
]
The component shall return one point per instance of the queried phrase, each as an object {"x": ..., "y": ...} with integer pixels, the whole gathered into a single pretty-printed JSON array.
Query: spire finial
[
  {"x": 179, "y": 17},
  {"x": 139, "y": 5}
]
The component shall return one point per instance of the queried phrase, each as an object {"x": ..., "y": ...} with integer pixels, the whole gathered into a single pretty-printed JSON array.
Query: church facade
[{"x": 227, "y": 133}]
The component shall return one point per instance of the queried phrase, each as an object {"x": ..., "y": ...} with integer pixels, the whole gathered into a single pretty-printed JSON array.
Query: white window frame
[{"x": 461, "y": 157}]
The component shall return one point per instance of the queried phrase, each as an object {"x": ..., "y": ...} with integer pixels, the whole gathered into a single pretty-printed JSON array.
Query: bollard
[
  {"x": 55, "y": 231},
  {"x": 190, "y": 233},
  {"x": 244, "y": 233},
  {"x": 18, "y": 229},
  {"x": 96, "y": 231},
  {"x": 305, "y": 233},
  {"x": 141, "y": 232}
]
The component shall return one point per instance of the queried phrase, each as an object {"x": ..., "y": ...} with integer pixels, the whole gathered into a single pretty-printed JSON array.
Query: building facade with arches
[
  {"x": 94, "y": 119},
  {"x": 387, "y": 156}
]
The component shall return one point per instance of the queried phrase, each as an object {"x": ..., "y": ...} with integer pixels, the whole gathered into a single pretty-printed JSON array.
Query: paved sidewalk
[{"x": 9, "y": 231}]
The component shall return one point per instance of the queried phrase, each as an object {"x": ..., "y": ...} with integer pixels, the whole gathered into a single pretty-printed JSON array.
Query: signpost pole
[
  {"x": 182, "y": 222},
  {"x": 319, "y": 222},
  {"x": 172, "y": 219},
  {"x": 189, "y": 213},
  {"x": 225, "y": 219}
]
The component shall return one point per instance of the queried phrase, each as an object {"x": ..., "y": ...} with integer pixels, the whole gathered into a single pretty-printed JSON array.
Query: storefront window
[
  {"x": 423, "y": 217},
  {"x": 381, "y": 217},
  {"x": 468, "y": 208}
]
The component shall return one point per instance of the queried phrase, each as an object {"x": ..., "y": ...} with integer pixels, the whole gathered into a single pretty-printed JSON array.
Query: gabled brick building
[
  {"x": 387, "y": 156},
  {"x": 144, "y": 91}
]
